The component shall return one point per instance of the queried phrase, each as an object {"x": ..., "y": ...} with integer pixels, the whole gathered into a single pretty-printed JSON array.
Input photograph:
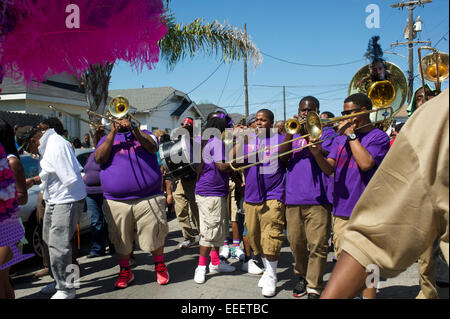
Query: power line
[
  {"x": 206, "y": 78},
  {"x": 442, "y": 38},
  {"x": 226, "y": 81},
  {"x": 311, "y": 65},
  {"x": 299, "y": 86}
]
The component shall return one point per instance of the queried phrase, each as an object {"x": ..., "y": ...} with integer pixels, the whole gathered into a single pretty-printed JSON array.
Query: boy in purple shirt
[
  {"x": 134, "y": 204},
  {"x": 264, "y": 199},
  {"x": 354, "y": 158},
  {"x": 211, "y": 191},
  {"x": 308, "y": 220}
]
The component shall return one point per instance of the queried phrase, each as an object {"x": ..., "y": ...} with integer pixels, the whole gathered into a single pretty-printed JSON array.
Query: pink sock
[
  {"x": 215, "y": 259},
  {"x": 159, "y": 259},
  {"x": 124, "y": 263},
  {"x": 202, "y": 260}
]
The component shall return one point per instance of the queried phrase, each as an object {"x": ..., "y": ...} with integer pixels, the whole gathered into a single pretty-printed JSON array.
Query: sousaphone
[{"x": 390, "y": 92}]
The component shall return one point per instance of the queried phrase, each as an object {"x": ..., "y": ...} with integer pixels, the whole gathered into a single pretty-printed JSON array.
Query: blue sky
[{"x": 306, "y": 32}]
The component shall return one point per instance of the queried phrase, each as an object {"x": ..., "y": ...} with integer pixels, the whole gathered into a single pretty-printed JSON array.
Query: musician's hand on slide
[
  {"x": 346, "y": 127},
  {"x": 315, "y": 149}
]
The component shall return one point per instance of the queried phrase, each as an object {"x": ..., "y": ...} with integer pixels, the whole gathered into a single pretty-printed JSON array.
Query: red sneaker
[
  {"x": 162, "y": 276},
  {"x": 125, "y": 277}
]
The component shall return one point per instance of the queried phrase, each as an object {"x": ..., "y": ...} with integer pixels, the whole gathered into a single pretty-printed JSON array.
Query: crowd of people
[{"x": 308, "y": 195}]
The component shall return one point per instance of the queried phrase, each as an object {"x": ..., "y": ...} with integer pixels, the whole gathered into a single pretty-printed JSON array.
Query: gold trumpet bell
[
  {"x": 292, "y": 126},
  {"x": 429, "y": 66},
  {"x": 119, "y": 107}
]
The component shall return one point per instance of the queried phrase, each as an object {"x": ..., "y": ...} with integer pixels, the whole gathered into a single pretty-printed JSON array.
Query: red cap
[{"x": 187, "y": 121}]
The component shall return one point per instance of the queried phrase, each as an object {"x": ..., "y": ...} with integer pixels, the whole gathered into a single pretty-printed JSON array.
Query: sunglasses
[{"x": 348, "y": 112}]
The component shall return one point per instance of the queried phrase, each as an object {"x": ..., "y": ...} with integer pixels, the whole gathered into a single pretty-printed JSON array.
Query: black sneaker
[
  {"x": 300, "y": 288},
  {"x": 313, "y": 296}
]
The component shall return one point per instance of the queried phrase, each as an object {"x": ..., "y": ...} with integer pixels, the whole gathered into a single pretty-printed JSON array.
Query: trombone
[
  {"x": 314, "y": 127},
  {"x": 118, "y": 108},
  {"x": 435, "y": 65}
]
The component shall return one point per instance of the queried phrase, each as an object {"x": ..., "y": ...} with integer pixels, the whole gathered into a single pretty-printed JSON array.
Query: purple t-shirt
[
  {"x": 130, "y": 172},
  {"x": 92, "y": 176},
  {"x": 213, "y": 182},
  {"x": 265, "y": 181},
  {"x": 349, "y": 181},
  {"x": 306, "y": 184}
]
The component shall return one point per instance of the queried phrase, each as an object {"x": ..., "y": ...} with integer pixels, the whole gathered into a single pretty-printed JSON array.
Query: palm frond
[{"x": 182, "y": 41}]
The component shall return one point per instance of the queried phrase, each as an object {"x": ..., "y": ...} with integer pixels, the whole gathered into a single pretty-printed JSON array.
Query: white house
[
  {"x": 160, "y": 108},
  {"x": 60, "y": 91}
]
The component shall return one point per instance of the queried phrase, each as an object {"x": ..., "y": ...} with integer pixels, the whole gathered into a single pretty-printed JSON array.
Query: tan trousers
[
  {"x": 427, "y": 278},
  {"x": 308, "y": 228},
  {"x": 265, "y": 224},
  {"x": 339, "y": 225},
  {"x": 186, "y": 208}
]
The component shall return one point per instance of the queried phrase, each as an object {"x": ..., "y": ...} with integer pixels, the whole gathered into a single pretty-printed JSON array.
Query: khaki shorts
[
  {"x": 232, "y": 208},
  {"x": 213, "y": 220},
  {"x": 265, "y": 224},
  {"x": 142, "y": 220},
  {"x": 339, "y": 226}
]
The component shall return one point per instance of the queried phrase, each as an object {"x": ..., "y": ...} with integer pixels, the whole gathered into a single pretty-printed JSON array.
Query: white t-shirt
[{"x": 60, "y": 174}]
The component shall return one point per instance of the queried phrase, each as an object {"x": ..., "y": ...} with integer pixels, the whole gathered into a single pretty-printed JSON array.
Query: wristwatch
[{"x": 351, "y": 137}]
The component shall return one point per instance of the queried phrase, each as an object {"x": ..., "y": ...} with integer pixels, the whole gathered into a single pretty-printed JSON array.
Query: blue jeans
[{"x": 99, "y": 228}]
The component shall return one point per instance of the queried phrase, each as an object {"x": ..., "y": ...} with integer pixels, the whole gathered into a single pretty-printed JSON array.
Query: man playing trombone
[
  {"x": 353, "y": 159},
  {"x": 308, "y": 210}
]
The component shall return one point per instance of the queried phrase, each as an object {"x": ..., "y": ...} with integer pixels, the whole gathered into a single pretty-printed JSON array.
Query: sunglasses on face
[{"x": 348, "y": 112}]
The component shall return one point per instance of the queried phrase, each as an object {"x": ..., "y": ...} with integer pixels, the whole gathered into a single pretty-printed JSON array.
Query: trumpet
[{"x": 314, "y": 127}]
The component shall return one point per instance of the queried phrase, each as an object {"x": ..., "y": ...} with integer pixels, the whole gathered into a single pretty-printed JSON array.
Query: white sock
[
  {"x": 264, "y": 260},
  {"x": 272, "y": 268}
]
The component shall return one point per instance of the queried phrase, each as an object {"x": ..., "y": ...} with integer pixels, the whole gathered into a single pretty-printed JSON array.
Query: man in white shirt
[{"x": 64, "y": 192}]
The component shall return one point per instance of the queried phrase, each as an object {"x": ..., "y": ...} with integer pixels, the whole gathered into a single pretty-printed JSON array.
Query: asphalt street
[{"x": 99, "y": 274}]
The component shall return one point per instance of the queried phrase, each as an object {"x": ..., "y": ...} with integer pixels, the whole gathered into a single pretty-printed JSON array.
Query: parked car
[{"x": 27, "y": 212}]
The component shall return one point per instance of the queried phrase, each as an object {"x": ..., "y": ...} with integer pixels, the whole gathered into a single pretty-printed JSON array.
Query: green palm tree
[{"x": 180, "y": 42}]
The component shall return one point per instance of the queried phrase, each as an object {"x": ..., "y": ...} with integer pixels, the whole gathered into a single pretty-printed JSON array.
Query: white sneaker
[
  {"x": 222, "y": 267},
  {"x": 270, "y": 286},
  {"x": 64, "y": 294},
  {"x": 200, "y": 274},
  {"x": 49, "y": 289},
  {"x": 238, "y": 254},
  {"x": 224, "y": 252},
  {"x": 253, "y": 268},
  {"x": 262, "y": 279}
]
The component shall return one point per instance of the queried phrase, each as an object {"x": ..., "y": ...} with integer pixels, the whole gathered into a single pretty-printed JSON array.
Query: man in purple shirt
[
  {"x": 308, "y": 218},
  {"x": 134, "y": 204},
  {"x": 264, "y": 198},
  {"x": 353, "y": 159}
]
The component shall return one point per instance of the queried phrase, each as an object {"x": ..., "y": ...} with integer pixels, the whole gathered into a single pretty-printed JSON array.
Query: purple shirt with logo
[
  {"x": 349, "y": 181},
  {"x": 306, "y": 184},
  {"x": 130, "y": 172},
  {"x": 265, "y": 181},
  {"x": 213, "y": 182}
]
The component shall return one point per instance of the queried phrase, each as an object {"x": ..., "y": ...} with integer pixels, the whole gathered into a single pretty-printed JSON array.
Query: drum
[{"x": 176, "y": 158}]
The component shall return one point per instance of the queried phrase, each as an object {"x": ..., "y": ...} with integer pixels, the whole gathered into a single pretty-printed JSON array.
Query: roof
[
  {"x": 209, "y": 108},
  {"x": 236, "y": 117},
  {"x": 144, "y": 98},
  {"x": 46, "y": 88}
]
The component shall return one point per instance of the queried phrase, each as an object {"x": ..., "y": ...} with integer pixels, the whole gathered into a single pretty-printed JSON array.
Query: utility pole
[
  {"x": 284, "y": 102},
  {"x": 245, "y": 71},
  {"x": 410, "y": 42}
]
